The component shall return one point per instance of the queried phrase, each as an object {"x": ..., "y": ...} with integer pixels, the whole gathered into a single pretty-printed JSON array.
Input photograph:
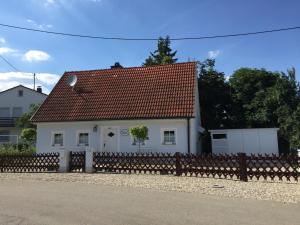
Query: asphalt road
[{"x": 40, "y": 202}]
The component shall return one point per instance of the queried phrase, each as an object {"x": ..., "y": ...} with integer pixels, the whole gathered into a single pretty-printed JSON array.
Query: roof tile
[{"x": 165, "y": 91}]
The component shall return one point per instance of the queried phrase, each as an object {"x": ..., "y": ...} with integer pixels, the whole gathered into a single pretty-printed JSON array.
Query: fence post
[
  {"x": 64, "y": 157},
  {"x": 89, "y": 161},
  {"x": 178, "y": 164},
  {"x": 242, "y": 159}
]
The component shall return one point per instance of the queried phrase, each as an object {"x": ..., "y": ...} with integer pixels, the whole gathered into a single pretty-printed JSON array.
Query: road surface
[{"x": 41, "y": 202}]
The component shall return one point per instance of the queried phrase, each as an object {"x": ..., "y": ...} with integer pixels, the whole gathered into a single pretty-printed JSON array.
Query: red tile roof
[{"x": 165, "y": 91}]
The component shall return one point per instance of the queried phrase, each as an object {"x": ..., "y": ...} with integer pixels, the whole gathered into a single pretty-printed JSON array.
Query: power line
[
  {"x": 150, "y": 39},
  {"x": 11, "y": 65}
]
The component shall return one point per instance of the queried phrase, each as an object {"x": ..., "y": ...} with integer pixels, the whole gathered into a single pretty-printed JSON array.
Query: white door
[{"x": 110, "y": 139}]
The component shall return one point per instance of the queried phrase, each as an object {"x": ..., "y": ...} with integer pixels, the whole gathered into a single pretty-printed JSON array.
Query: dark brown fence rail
[
  {"x": 47, "y": 162},
  {"x": 238, "y": 166},
  {"x": 273, "y": 166},
  {"x": 135, "y": 162},
  {"x": 77, "y": 162}
]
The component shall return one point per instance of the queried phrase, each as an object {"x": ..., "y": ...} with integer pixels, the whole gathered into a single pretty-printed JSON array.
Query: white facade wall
[
  {"x": 154, "y": 144},
  {"x": 10, "y": 99},
  {"x": 255, "y": 140}
]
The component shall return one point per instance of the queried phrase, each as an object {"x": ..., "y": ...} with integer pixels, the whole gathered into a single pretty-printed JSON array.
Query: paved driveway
[{"x": 42, "y": 202}]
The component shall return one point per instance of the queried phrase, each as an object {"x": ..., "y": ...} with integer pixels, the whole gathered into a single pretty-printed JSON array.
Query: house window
[
  {"x": 169, "y": 137},
  {"x": 20, "y": 93},
  {"x": 58, "y": 139},
  {"x": 219, "y": 136},
  {"x": 83, "y": 139}
]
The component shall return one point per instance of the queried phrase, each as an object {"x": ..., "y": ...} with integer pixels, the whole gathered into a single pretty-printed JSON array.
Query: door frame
[{"x": 103, "y": 128}]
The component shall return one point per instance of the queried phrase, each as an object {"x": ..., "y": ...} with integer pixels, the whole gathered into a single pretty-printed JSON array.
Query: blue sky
[{"x": 49, "y": 55}]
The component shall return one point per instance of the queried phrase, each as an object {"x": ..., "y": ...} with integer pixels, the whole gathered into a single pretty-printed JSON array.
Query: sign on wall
[{"x": 124, "y": 132}]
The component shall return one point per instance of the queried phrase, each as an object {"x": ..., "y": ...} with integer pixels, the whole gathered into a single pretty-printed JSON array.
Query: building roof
[
  {"x": 154, "y": 92},
  {"x": 18, "y": 86}
]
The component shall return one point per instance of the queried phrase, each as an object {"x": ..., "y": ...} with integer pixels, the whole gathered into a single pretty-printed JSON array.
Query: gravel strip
[{"x": 276, "y": 191}]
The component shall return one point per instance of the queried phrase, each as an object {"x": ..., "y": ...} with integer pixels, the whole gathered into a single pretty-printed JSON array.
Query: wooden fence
[
  {"x": 77, "y": 162},
  {"x": 47, "y": 162},
  {"x": 239, "y": 166}
]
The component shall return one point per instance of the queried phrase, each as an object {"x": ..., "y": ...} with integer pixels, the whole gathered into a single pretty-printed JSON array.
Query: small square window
[
  {"x": 169, "y": 137},
  {"x": 219, "y": 136},
  {"x": 58, "y": 139},
  {"x": 83, "y": 139},
  {"x": 20, "y": 93}
]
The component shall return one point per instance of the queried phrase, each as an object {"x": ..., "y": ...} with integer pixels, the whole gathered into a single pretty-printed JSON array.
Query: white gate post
[
  {"x": 89, "y": 160},
  {"x": 64, "y": 157}
]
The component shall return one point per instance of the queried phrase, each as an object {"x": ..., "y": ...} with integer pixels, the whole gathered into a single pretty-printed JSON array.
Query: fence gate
[{"x": 77, "y": 162}]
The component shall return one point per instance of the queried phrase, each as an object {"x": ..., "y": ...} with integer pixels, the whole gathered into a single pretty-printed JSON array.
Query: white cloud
[
  {"x": 49, "y": 2},
  {"x": 39, "y": 26},
  {"x": 12, "y": 79},
  {"x": 2, "y": 41},
  {"x": 36, "y": 55},
  {"x": 214, "y": 54},
  {"x": 46, "y": 78},
  {"x": 6, "y": 50}
]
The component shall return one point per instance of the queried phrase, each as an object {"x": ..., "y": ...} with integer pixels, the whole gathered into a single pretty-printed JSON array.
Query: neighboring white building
[
  {"x": 14, "y": 102},
  {"x": 98, "y": 111},
  {"x": 252, "y": 140}
]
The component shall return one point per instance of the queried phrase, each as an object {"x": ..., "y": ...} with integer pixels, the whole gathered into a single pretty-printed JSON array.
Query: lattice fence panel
[
  {"x": 45, "y": 162},
  {"x": 273, "y": 166},
  {"x": 77, "y": 161},
  {"x": 162, "y": 163},
  {"x": 210, "y": 165}
]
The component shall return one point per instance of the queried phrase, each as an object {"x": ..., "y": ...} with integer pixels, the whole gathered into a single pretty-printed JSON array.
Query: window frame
[
  {"x": 20, "y": 93},
  {"x": 53, "y": 139},
  {"x": 219, "y": 138},
  {"x": 162, "y": 141},
  {"x": 83, "y": 132}
]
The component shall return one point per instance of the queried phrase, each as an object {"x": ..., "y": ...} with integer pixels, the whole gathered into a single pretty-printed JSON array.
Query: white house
[
  {"x": 251, "y": 140},
  {"x": 14, "y": 102},
  {"x": 94, "y": 110}
]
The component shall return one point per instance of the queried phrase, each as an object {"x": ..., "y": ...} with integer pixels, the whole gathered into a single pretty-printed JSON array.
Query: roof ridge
[{"x": 133, "y": 67}]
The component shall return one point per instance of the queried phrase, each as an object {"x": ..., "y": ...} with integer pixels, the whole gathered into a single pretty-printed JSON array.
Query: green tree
[
  {"x": 250, "y": 88},
  {"x": 214, "y": 96},
  {"x": 163, "y": 54},
  {"x": 28, "y": 135},
  {"x": 267, "y": 99},
  {"x": 140, "y": 133},
  {"x": 24, "y": 121}
]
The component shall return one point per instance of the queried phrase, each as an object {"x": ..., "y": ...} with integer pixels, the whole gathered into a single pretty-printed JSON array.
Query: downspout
[{"x": 188, "y": 135}]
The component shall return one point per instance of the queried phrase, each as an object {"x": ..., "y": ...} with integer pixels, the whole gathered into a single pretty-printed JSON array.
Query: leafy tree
[
  {"x": 163, "y": 54},
  {"x": 214, "y": 96},
  {"x": 28, "y": 135},
  {"x": 250, "y": 88},
  {"x": 24, "y": 121},
  {"x": 267, "y": 99},
  {"x": 140, "y": 133}
]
